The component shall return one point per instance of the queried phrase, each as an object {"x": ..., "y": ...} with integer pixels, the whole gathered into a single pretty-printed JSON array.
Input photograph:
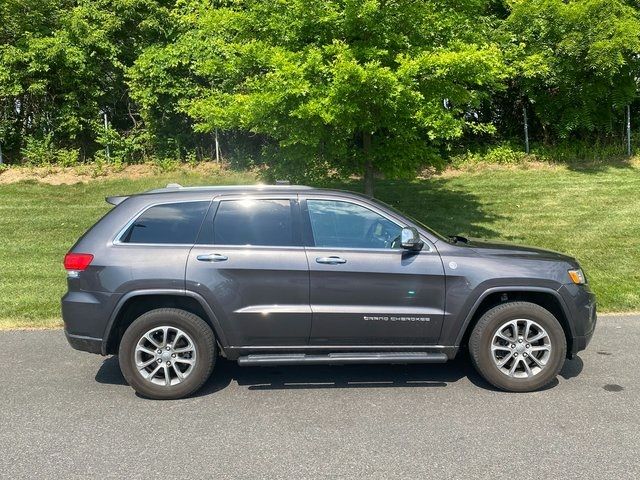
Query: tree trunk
[{"x": 368, "y": 164}]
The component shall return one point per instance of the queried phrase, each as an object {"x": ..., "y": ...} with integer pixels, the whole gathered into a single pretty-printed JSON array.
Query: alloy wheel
[
  {"x": 521, "y": 348},
  {"x": 165, "y": 356}
]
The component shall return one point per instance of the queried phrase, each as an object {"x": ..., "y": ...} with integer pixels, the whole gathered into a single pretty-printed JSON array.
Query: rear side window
[
  {"x": 167, "y": 223},
  {"x": 254, "y": 222}
]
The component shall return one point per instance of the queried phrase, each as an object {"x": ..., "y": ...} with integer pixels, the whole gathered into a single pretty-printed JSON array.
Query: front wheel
[
  {"x": 518, "y": 346},
  {"x": 167, "y": 353}
]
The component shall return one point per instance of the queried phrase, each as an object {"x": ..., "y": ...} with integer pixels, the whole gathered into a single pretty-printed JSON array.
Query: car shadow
[
  {"x": 572, "y": 368},
  {"x": 318, "y": 376},
  {"x": 336, "y": 376}
]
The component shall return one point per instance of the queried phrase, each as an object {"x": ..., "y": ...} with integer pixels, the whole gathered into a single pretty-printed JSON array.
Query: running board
[{"x": 341, "y": 358}]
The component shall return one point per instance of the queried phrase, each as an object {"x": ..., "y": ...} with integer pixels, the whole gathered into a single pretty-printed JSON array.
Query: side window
[
  {"x": 254, "y": 222},
  {"x": 344, "y": 224},
  {"x": 168, "y": 223}
]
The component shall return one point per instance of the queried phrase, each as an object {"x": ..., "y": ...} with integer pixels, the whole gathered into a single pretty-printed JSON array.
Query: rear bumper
[
  {"x": 85, "y": 344},
  {"x": 86, "y": 316}
]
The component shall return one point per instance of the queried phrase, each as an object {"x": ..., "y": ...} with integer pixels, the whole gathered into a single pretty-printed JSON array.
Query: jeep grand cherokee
[{"x": 263, "y": 275}]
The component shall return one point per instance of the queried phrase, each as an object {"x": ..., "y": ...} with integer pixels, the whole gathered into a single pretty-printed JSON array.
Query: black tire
[
  {"x": 203, "y": 340},
  {"x": 482, "y": 337}
]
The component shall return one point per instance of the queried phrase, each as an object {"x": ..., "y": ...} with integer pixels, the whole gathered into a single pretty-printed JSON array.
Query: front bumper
[{"x": 581, "y": 303}]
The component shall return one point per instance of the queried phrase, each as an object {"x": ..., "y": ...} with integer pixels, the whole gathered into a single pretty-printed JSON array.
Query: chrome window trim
[
  {"x": 372, "y": 207},
  {"x": 426, "y": 249},
  {"x": 247, "y": 247},
  {"x": 116, "y": 240}
]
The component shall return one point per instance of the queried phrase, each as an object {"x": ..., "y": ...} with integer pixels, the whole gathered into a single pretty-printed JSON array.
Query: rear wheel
[
  {"x": 167, "y": 353},
  {"x": 518, "y": 346}
]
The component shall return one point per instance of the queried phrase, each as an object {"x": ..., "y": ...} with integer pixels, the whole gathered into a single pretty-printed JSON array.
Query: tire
[
  {"x": 489, "y": 348},
  {"x": 157, "y": 331}
]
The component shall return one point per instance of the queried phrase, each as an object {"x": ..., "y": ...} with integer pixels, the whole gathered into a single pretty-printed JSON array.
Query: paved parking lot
[{"x": 68, "y": 414}]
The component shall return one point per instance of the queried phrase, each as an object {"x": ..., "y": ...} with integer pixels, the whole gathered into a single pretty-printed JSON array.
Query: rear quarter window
[{"x": 176, "y": 223}]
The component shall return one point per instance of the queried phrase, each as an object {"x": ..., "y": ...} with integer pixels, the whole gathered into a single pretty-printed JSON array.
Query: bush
[
  {"x": 581, "y": 151},
  {"x": 501, "y": 154},
  {"x": 67, "y": 157},
  {"x": 40, "y": 152},
  {"x": 127, "y": 148},
  {"x": 166, "y": 164}
]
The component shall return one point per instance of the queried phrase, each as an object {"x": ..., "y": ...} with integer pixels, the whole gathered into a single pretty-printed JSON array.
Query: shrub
[
  {"x": 166, "y": 164},
  {"x": 39, "y": 152},
  {"x": 501, "y": 154}
]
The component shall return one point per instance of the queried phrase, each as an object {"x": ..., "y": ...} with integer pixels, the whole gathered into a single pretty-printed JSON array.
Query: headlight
[{"x": 577, "y": 276}]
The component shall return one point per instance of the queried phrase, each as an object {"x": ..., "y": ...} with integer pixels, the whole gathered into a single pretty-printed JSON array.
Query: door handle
[
  {"x": 333, "y": 260},
  {"x": 212, "y": 257}
]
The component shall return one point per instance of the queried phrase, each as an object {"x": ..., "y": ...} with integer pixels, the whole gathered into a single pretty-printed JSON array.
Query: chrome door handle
[
  {"x": 212, "y": 257},
  {"x": 331, "y": 260}
]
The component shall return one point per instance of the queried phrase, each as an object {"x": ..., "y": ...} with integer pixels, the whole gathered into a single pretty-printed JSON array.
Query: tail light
[{"x": 77, "y": 261}]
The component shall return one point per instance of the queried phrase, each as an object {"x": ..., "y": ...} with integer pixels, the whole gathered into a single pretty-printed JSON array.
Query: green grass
[{"x": 593, "y": 215}]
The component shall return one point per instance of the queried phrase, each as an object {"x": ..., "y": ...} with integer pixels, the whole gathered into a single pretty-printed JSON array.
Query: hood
[{"x": 486, "y": 247}]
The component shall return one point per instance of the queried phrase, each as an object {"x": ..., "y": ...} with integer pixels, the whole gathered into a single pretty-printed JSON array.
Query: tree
[
  {"x": 338, "y": 86},
  {"x": 577, "y": 62},
  {"x": 62, "y": 64}
]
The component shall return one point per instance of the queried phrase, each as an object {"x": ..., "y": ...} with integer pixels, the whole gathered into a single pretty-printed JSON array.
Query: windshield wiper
[{"x": 458, "y": 238}]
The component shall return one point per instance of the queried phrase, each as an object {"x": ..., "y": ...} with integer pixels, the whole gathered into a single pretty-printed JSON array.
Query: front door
[
  {"x": 364, "y": 288},
  {"x": 252, "y": 269}
]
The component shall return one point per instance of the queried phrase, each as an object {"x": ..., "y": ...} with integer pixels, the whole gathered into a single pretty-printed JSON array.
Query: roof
[{"x": 174, "y": 187}]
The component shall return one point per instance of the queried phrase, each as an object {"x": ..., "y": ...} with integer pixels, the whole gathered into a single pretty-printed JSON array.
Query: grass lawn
[{"x": 593, "y": 215}]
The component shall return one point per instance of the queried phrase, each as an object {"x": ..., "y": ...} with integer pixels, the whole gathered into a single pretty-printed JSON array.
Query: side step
[{"x": 341, "y": 358}]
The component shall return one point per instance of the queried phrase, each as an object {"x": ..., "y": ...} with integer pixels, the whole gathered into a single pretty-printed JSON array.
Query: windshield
[{"x": 410, "y": 218}]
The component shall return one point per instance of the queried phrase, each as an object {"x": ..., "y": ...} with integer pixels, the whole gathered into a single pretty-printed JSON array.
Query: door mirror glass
[{"x": 410, "y": 239}]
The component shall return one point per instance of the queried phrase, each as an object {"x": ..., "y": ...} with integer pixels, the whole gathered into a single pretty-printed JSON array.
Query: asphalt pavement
[{"x": 68, "y": 414}]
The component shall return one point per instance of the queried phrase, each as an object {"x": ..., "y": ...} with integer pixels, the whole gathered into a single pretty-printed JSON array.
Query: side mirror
[{"x": 410, "y": 239}]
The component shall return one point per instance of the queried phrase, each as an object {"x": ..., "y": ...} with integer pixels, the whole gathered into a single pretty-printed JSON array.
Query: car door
[
  {"x": 250, "y": 266},
  {"x": 364, "y": 288}
]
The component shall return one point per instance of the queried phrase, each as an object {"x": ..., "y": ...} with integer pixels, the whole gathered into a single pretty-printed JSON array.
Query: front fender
[{"x": 457, "y": 328}]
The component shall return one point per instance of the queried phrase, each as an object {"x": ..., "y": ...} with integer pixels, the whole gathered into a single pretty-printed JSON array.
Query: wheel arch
[
  {"x": 545, "y": 297},
  {"x": 136, "y": 303}
]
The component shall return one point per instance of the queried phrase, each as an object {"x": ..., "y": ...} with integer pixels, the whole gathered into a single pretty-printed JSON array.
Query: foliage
[
  {"x": 62, "y": 66},
  {"x": 335, "y": 86},
  {"x": 166, "y": 165},
  {"x": 312, "y": 89},
  {"x": 501, "y": 154},
  {"x": 577, "y": 62},
  {"x": 39, "y": 152}
]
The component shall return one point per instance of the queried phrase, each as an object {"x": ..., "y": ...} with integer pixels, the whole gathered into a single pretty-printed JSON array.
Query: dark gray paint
[{"x": 279, "y": 299}]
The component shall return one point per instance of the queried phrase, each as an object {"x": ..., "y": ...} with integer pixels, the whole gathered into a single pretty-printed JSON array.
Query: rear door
[
  {"x": 364, "y": 288},
  {"x": 250, "y": 265}
]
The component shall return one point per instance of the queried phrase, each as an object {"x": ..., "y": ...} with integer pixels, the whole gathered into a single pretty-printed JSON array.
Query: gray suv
[{"x": 171, "y": 278}]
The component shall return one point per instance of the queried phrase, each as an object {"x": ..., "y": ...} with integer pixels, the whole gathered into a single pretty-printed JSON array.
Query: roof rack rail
[
  {"x": 174, "y": 185},
  {"x": 283, "y": 182}
]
